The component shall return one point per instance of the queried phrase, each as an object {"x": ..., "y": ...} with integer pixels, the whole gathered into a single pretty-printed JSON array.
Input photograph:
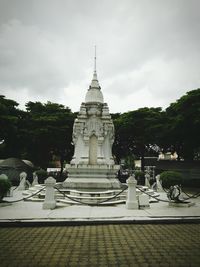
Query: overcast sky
[{"x": 148, "y": 52}]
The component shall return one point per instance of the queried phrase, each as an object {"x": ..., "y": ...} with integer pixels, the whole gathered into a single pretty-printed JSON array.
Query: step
[{"x": 68, "y": 201}]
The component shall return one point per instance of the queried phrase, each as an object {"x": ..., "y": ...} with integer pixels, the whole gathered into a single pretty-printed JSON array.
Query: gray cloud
[{"x": 147, "y": 51}]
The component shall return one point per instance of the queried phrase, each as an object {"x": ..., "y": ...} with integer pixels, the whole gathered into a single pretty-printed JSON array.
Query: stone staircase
[{"x": 87, "y": 197}]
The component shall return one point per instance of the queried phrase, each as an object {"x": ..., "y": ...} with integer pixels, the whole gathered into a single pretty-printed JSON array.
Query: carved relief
[
  {"x": 92, "y": 123},
  {"x": 94, "y": 126}
]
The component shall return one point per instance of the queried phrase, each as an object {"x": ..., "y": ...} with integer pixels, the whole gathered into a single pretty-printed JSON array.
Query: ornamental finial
[{"x": 95, "y": 58}]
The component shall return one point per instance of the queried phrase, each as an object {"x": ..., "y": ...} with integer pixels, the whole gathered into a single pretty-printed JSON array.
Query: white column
[
  {"x": 49, "y": 201},
  {"x": 131, "y": 202}
]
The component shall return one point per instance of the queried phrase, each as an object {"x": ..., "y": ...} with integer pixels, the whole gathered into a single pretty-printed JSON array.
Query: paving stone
[{"x": 101, "y": 245}]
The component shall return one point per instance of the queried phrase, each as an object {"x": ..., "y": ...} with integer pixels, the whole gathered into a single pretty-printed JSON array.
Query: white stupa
[{"x": 92, "y": 165}]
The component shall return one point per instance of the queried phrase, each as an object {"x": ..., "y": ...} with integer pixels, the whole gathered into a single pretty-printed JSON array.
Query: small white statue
[
  {"x": 158, "y": 184},
  {"x": 35, "y": 179},
  {"x": 147, "y": 178},
  {"x": 22, "y": 184}
]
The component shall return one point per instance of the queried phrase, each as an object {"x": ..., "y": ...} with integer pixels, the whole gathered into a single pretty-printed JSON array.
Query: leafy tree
[
  {"x": 38, "y": 133},
  {"x": 184, "y": 126},
  {"x": 49, "y": 132},
  {"x": 137, "y": 132},
  {"x": 10, "y": 116}
]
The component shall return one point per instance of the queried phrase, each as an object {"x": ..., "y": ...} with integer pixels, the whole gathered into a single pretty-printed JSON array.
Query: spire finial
[
  {"x": 95, "y": 83},
  {"x": 95, "y": 58}
]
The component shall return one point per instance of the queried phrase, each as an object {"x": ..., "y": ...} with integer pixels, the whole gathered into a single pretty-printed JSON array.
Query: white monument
[{"x": 92, "y": 165}]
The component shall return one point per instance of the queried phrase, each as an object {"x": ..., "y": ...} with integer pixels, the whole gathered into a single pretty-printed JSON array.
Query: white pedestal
[
  {"x": 131, "y": 202},
  {"x": 49, "y": 201},
  {"x": 82, "y": 176},
  {"x": 143, "y": 201}
]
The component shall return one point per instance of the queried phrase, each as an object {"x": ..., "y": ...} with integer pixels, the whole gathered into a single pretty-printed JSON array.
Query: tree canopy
[
  {"x": 44, "y": 130},
  {"x": 184, "y": 118},
  {"x": 39, "y": 133}
]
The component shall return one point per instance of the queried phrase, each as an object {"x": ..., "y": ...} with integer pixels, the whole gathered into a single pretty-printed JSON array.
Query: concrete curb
[{"x": 81, "y": 222}]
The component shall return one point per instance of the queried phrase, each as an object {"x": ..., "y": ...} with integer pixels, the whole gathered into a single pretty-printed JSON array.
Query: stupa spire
[
  {"x": 95, "y": 83},
  {"x": 95, "y": 59},
  {"x": 94, "y": 93},
  {"x": 95, "y": 65}
]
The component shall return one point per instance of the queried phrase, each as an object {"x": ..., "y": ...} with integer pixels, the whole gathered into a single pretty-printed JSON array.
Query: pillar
[
  {"x": 49, "y": 201},
  {"x": 131, "y": 202}
]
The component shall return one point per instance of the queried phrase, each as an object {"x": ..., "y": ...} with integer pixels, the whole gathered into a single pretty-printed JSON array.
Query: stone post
[
  {"x": 131, "y": 202},
  {"x": 49, "y": 201}
]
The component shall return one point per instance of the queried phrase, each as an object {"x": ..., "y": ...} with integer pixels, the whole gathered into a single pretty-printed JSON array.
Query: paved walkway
[{"x": 101, "y": 245}]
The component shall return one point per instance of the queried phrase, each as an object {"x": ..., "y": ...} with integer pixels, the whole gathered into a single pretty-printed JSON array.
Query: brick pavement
[{"x": 101, "y": 245}]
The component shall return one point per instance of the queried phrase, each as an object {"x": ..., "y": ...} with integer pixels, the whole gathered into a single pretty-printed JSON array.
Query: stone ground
[{"x": 101, "y": 245}]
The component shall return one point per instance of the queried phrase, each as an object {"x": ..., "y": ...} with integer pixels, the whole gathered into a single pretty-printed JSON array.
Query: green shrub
[
  {"x": 129, "y": 162},
  {"x": 42, "y": 175},
  {"x": 5, "y": 185},
  {"x": 169, "y": 178},
  {"x": 139, "y": 176}
]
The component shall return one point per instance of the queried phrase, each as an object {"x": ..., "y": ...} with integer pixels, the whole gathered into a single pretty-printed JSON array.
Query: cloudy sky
[{"x": 148, "y": 51}]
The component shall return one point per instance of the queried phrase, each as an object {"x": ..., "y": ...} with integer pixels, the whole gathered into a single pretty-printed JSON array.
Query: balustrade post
[
  {"x": 49, "y": 201},
  {"x": 131, "y": 202}
]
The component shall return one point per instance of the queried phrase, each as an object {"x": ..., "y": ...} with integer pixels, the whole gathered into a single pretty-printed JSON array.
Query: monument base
[
  {"x": 82, "y": 176},
  {"x": 132, "y": 205}
]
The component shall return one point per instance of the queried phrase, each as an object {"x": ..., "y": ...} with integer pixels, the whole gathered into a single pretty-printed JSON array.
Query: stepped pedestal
[{"x": 92, "y": 177}]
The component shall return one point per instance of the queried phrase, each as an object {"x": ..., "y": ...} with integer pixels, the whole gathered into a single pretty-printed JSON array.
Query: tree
[
  {"x": 38, "y": 133},
  {"x": 49, "y": 132},
  {"x": 10, "y": 117},
  {"x": 137, "y": 132},
  {"x": 184, "y": 116}
]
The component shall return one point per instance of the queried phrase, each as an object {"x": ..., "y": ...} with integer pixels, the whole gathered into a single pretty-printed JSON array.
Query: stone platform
[{"x": 83, "y": 176}]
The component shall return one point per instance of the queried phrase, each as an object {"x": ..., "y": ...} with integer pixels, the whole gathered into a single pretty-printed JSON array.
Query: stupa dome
[{"x": 94, "y": 94}]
